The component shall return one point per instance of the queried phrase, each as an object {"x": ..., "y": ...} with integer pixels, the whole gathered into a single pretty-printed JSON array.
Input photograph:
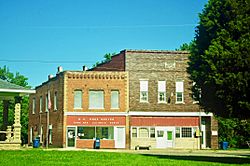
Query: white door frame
[
  {"x": 121, "y": 137},
  {"x": 163, "y": 142},
  {"x": 203, "y": 131},
  {"x": 67, "y": 136}
]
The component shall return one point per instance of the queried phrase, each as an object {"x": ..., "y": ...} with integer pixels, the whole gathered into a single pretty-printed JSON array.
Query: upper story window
[
  {"x": 179, "y": 91},
  {"x": 77, "y": 99},
  {"x": 55, "y": 101},
  {"x": 96, "y": 99},
  {"x": 161, "y": 91},
  {"x": 114, "y": 99},
  {"x": 33, "y": 105},
  {"x": 41, "y": 104},
  {"x": 47, "y": 103},
  {"x": 143, "y": 91}
]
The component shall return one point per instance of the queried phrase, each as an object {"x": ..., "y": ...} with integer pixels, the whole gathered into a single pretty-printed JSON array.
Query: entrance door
[
  {"x": 164, "y": 137},
  {"x": 71, "y": 135},
  {"x": 120, "y": 137},
  {"x": 203, "y": 136}
]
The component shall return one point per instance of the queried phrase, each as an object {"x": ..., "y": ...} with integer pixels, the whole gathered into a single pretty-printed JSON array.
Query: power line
[{"x": 45, "y": 61}]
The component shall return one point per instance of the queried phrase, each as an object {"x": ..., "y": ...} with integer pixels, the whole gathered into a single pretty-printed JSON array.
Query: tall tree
[
  {"x": 21, "y": 80},
  {"x": 186, "y": 47},
  {"x": 220, "y": 58}
]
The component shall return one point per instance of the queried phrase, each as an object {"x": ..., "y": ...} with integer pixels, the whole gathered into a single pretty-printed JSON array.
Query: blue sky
[{"x": 36, "y": 36}]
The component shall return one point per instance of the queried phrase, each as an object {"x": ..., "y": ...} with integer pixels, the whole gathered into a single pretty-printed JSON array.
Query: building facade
[
  {"x": 80, "y": 107},
  {"x": 140, "y": 98},
  {"x": 162, "y": 113}
]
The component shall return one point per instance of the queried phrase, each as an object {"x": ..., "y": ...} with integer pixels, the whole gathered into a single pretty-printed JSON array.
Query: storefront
[
  {"x": 164, "y": 132},
  {"x": 81, "y": 131}
]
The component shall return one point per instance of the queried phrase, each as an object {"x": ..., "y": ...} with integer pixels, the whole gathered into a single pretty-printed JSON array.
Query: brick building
[
  {"x": 162, "y": 113},
  {"x": 75, "y": 107},
  {"x": 139, "y": 98}
]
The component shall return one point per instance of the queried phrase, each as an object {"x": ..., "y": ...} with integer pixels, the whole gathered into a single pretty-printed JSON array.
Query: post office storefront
[
  {"x": 164, "y": 132},
  {"x": 81, "y": 131}
]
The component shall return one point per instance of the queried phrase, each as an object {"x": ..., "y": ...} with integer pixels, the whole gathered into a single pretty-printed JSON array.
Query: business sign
[{"x": 96, "y": 120}]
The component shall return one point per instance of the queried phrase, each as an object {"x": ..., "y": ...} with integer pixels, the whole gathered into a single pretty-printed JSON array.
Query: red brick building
[{"x": 140, "y": 98}]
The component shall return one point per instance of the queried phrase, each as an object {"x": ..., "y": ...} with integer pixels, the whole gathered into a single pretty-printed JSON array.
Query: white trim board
[{"x": 18, "y": 90}]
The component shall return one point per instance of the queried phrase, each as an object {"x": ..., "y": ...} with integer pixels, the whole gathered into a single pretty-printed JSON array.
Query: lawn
[{"x": 54, "y": 157}]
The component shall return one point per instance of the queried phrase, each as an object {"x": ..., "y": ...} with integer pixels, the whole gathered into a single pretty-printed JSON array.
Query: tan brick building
[
  {"x": 162, "y": 112},
  {"x": 140, "y": 98},
  {"x": 81, "y": 106}
]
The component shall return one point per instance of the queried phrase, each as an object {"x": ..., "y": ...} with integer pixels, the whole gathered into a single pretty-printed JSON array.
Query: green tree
[
  {"x": 107, "y": 57},
  {"x": 186, "y": 47},
  {"x": 21, "y": 80},
  {"x": 220, "y": 58}
]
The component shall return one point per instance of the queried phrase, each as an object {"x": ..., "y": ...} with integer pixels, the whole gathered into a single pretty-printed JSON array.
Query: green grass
[{"x": 53, "y": 157}]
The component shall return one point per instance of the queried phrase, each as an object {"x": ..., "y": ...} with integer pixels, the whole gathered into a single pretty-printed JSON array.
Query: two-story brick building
[
  {"x": 138, "y": 98},
  {"x": 75, "y": 107},
  {"x": 161, "y": 109}
]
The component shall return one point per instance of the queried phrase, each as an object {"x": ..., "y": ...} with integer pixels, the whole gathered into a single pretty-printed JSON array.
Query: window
[
  {"x": 170, "y": 135},
  {"x": 105, "y": 132},
  {"x": 152, "y": 132},
  {"x": 33, "y": 105},
  {"x": 55, "y": 101},
  {"x": 186, "y": 132},
  {"x": 50, "y": 134},
  {"x": 197, "y": 95},
  {"x": 115, "y": 99},
  {"x": 41, "y": 104},
  {"x": 96, "y": 99},
  {"x": 86, "y": 132},
  {"x": 160, "y": 133},
  {"x": 143, "y": 91},
  {"x": 161, "y": 91},
  {"x": 177, "y": 132},
  {"x": 134, "y": 132},
  {"x": 143, "y": 132},
  {"x": 179, "y": 92},
  {"x": 46, "y": 102},
  {"x": 41, "y": 133},
  {"x": 77, "y": 99}
]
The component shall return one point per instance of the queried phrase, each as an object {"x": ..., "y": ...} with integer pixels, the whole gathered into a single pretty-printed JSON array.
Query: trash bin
[
  {"x": 224, "y": 145},
  {"x": 97, "y": 143},
  {"x": 36, "y": 143}
]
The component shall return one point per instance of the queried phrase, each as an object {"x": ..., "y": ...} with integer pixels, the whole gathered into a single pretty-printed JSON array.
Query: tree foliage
[
  {"x": 220, "y": 58},
  {"x": 107, "y": 57},
  {"x": 186, "y": 47},
  {"x": 21, "y": 80}
]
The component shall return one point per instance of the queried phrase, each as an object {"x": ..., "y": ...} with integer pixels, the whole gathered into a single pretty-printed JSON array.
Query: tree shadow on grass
[{"x": 225, "y": 160}]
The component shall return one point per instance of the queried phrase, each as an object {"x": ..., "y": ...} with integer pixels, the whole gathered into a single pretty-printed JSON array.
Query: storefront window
[
  {"x": 160, "y": 133},
  {"x": 86, "y": 132},
  {"x": 134, "y": 132},
  {"x": 186, "y": 132},
  {"x": 177, "y": 132},
  {"x": 152, "y": 132},
  {"x": 143, "y": 132},
  {"x": 105, "y": 132}
]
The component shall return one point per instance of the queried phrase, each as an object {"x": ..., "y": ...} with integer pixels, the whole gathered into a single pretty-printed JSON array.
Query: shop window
[
  {"x": 161, "y": 91},
  {"x": 134, "y": 132},
  {"x": 179, "y": 91},
  {"x": 41, "y": 133},
  {"x": 152, "y": 132},
  {"x": 143, "y": 132},
  {"x": 177, "y": 132},
  {"x": 55, "y": 101},
  {"x": 160, "y": 133},
  {"x": 50, "y": 134},
  {"x": 143, "y": 91},
  {"x": 31, "y": 134},
  {"x": 186, "y": 132},
  {"x": 77, "y": 99},
  {"x": 33, "y": 105},
  {"x": 96, "y": 99},
  {"x": 86, "y": 132},
  {"x": 105, "y": 132},
  {"x": 114, "y": 99},
  {"x": 41, "y": 104}
]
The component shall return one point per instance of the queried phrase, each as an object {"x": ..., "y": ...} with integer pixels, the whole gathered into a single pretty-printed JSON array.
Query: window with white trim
[
  {"x": 184, "y": 132},
  {"x": 143, "y": 91},
  {"x": 114, "y": 99},
  {"x": 152, "y": 132},
  {"x": 34, "y": 106},
  {"x": 41, "y": 104},
  {"x": 134, "y": 132},
  {"x": 46, "y": 103},
  {"x": 161, "y": 91},
  {"x": 77, "y": 99},
  {"x": 96, "y": 99},
  {"x": 143, "y": 132},
  {"x": 41, "y": 133},
  {"x": 179, "y": 91},
  {"x": 55, "y": 101},
  {"x": 31, "y": 134}
]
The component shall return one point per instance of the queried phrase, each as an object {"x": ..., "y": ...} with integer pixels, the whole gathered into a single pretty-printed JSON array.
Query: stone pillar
[
  {"x": 127, "y": 131},
  {"x": 17, "y": 124}
]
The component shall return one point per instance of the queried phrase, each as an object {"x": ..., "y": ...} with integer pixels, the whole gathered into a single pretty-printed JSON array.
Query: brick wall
[
  {"x": 56, "y": 116},
  {"x": 104, "y": 144},
  {"x": 157, "y": 66}
]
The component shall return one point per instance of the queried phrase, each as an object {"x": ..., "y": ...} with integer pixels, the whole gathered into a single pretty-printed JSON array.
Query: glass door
[{"x": 71, "y": 135}]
